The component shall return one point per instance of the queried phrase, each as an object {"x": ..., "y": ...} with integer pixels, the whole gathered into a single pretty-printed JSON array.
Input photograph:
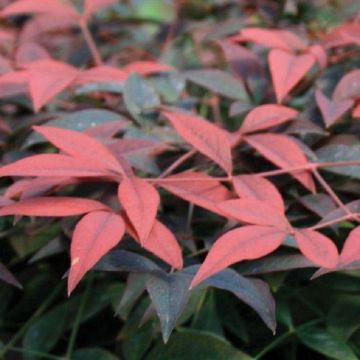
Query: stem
[
  {"x": 165, "y": 180},
  {"x": 77, "y": 320},
  {"x": 287, "y": 170},
  {"x": 330, "y": 191},
  {"x": 90, "y": 42},
  {"x": 178, "y": 162},
  {"x": 351, "y": 216},
  {"x": 28, "y": 323},
  {"x": 309, "y": 166}
]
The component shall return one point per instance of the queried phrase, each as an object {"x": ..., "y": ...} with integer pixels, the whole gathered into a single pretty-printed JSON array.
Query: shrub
[{"x": 219, "y": 156}]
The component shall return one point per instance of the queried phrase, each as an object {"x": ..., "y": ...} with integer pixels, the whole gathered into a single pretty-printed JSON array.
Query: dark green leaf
[
  {"x": 140, "y": 96},
  {"x": 344, "y": 316},
  {"x": 336, "y": 153},
  {"x": 45, "y": 332},
  {"x": 327, "y": 343},
  {"x": 207, "y": 318},
  {"x": 274, "y": 263},
  {"x": 253, "y": 292},
  {"x": 112, "y": 87},
  {"x": 120, "y": 260},
  {"x": 8, "y": 277},
  {"x": 196, "y": 345},
  {"x": 219, "y": 82},
  {"x": 169, "y": 294},
  {"x": 135, "y": 286}
]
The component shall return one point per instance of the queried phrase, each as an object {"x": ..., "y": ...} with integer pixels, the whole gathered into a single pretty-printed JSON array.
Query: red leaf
[
  {"x": 245, "y": 243},
  {"x": 80, "y": 146},
  {"x": 287, "y": 70},
  {"x": 356, "y": 112},
  {"x": 28, "y": 53},
  {"x": 351, "y": 248},
  {"x": 15, "y": 77},
  {"x": 5, "y": 201},
  {"x": 242, "y": 61},
  {"x": 52, "y": 206},
  {"x": 51, "y": 165},
  {"x": 332, "y": 111},
  {"x": 348, "y": 86},
  {"x": 197, "y": 188},
  {"x": 163, "y": 244},
  {"x": 49, "y": 78},
  {"x": 284, "y": 152},
  {"x": 258, "y": 188},
  {"x": 94, "y": 235},
  {"x": 342, "y": 35},
  {"x": 39, "y": 7},
  {"x": 146, "y": 67},
  {"x": 140, "y": 201},
  {"x": 317, "y": 247},
  {"x": 204, "y": 136},
  {"x": 272, "y": 38},
  {"x": 101, "y": 74},
  {"x": 93, "y": 6},
  {"x": 256, "y": 212},
  {"x": 320, "y": 54},
  {"x": 43, "y": 23},
  {"x": 107, "y": 130},
  {"x": 26, "y": 188},
  {"x": 266, "y": 116}
]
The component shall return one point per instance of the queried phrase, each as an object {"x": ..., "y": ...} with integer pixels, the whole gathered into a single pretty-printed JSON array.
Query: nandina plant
[{"x": 162, "y": 181}]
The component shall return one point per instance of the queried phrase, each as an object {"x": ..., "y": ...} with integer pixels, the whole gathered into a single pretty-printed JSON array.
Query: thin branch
[
  {"x": 330, "y": 191},
  {"x": 352, "y": 216},
  {"x": 90, "y": 42},
  {"x": 177, "y": 163}
]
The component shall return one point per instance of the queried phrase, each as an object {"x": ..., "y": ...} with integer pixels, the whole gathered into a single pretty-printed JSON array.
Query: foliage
[{"x": 189, "y": 156}]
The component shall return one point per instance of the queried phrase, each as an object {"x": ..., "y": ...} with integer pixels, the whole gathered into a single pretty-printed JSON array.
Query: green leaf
[
  {"x": 336, "y": 153},
  {"x": 8, "y": 277},
  {"x": 121, "y": 260},
  {"x": 135, "y": 286},
  {"x": 45, "y": 332},
  {"x": 219, "y": 82},
  {"x": 253, "y": 292},
  {"x": 274, "y": 263},
  {"x": 79, "y": 121},
  {"x": 93, "y": 354},
  {"x": 157, "y": 10},
  {"x": 344, "y": 316},
  {"x": 111, "y": 87},
  {"x": 169, "y": 86},
  {"x": 169, "y": 294},
  {"x": 207, "y": 318},
  {"x": 196, "y": 345},
  {"x": 326, "y": 343},
  {"x": 139, "y": 97},
  {"x": 136, "y": 339}
]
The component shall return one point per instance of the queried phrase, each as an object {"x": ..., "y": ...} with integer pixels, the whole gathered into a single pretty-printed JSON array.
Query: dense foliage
[{"x": 192, "y": 166}]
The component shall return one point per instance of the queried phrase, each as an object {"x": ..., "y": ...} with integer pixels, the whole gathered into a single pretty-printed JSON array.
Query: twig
[
  {"x": 330, "y": 191},
  {"x": 177, "y": 163},
  {"x": 90, "y": 42}
]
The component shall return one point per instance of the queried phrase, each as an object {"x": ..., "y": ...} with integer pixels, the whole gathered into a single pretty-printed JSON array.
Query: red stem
[
  {"x": 90, "y": 42},
  {"x": 177, "y": 163}
]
